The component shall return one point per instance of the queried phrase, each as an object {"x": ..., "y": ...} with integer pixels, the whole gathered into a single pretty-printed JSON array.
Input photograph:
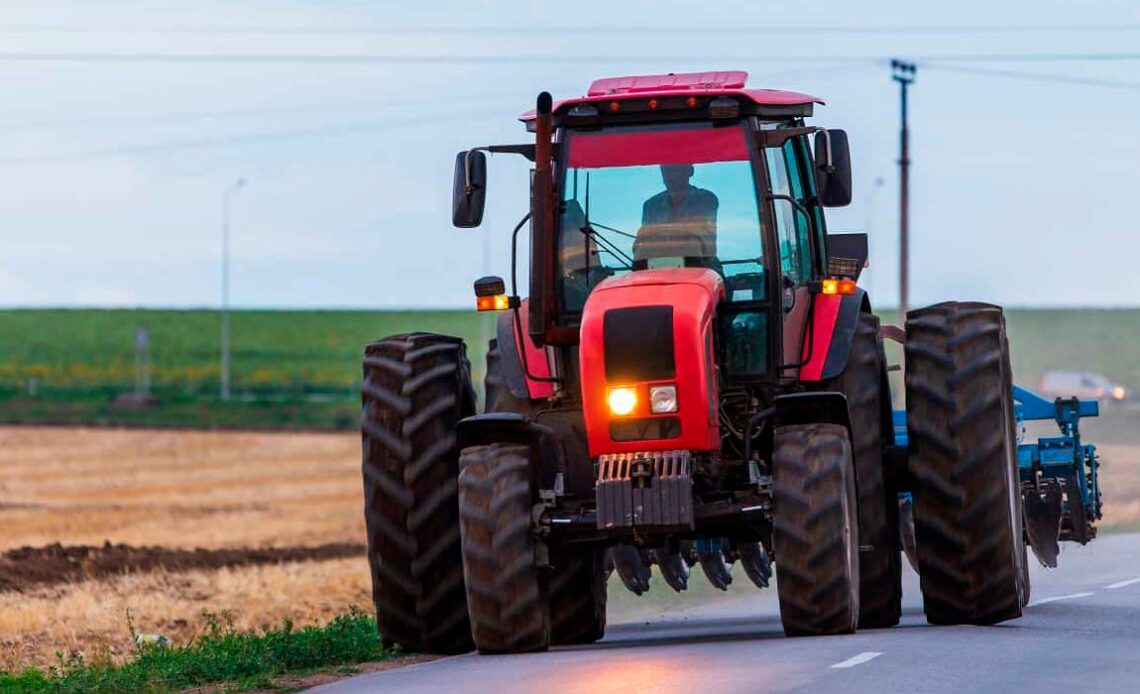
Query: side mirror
[
  {"x": 469, "y": 189},
  {"x": 832, "y": 168}
]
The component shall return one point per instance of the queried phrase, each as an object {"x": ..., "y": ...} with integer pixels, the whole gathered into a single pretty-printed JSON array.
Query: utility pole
[
  {"x": 225, "y": 372},
  {"x": 903, "y": 73}
]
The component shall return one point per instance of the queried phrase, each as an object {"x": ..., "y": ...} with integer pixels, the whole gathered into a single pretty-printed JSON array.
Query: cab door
[{"x": 787, "y": 173}]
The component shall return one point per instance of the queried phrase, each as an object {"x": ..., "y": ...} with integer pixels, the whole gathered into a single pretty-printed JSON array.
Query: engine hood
[{"x": 644, "y": 330}]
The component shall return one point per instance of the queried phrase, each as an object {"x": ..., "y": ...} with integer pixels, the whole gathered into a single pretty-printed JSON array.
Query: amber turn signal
[
  {"x": 498, "y": 302},
  {"x": 844, "y": 287}
]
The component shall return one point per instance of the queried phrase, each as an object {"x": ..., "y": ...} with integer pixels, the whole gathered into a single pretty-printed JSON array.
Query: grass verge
[{"x": 229, "y": 659}]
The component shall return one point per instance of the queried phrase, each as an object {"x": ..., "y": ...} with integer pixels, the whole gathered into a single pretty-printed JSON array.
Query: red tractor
[{"x": 694, "y": 378}]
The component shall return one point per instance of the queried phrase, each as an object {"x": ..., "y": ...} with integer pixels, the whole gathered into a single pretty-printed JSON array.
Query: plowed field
[{"x": 163, "y": 525}]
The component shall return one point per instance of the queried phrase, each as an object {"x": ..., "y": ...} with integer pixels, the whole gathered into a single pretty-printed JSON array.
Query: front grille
[{"x": 647, "y": 490}]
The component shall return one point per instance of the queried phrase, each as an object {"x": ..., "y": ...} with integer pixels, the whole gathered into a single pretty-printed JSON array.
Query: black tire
[
  {"x": 578, "y": 574},
  {"x": 963, "y": 457},
  {"x": 815, "y": 530},
  {"x": 416, "y": 387},
  {"x": 577, "y": 594},
  {"x": 880, "y": 561},
  {"x": 506, "y": 596}
]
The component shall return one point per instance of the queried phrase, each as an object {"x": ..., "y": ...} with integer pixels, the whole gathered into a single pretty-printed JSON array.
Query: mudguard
[
  {"x": 827, "y": 345},
  {"x": 510, "y": 427},
  {"x": 812, "y": 408},
  {"x": 513, "y": 372}
]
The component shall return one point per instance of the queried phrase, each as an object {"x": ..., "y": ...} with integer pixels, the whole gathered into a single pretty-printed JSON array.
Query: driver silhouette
[{"x": 679, "y": 222}]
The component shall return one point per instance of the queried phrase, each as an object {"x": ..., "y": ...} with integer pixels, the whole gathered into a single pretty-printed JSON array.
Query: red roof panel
[
  {"x": 727, "y": 82},
  {"x": 729, "y": 79}
]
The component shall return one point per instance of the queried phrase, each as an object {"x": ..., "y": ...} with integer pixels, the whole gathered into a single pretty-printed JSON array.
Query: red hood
[{"x": 709, "y": 280}]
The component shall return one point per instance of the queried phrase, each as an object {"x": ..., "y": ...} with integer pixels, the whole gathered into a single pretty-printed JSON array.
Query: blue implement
[{"x": 1054, "y": 466}]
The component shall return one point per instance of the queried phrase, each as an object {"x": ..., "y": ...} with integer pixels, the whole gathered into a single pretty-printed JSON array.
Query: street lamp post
[{"x": 225, "y": 371}]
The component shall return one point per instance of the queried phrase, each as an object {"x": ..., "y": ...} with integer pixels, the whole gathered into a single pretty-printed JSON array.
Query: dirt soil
[{"x": 28, "y": 567}]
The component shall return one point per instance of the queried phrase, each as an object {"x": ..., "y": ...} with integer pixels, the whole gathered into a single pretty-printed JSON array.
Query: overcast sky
[{"x": 112, "y": 172}]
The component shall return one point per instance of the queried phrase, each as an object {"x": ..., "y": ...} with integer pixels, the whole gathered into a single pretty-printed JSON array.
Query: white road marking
[
  {"x": 864, "y": 657},
  {"x": 1043, "y": 601},
  {"x": 1121, "y": 584}
]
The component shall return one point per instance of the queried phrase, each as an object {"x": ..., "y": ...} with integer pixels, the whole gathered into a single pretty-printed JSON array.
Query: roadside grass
[{"x": 222, "y": 656}]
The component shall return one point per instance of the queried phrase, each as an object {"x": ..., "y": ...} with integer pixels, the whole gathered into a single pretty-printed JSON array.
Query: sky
[{"x": 113, "y": 171}]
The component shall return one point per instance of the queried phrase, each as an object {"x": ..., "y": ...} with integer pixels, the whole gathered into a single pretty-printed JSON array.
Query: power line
[
  {"x": 610, "y": 30},
  {"x": 250, "y": 112},
  {"x": 499, "y": 59},
  {"x": 1034, "y": 76},
  {"x": 393, "y": 59},
  {"x": 250, "y": 138}
]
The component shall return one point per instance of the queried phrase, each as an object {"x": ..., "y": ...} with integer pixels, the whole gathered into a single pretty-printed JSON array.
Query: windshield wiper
[
  {"x": 602, "y": 243},
  {"x": 606, "y": 245},
  {"x": 626, "y": 234}
]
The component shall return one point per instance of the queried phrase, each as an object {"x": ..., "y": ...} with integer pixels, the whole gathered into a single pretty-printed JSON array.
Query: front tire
[
  {"x": 506, "y": 596},
  {"x": 815, "y": 530},
  {"x": 416, "y": 388},
  {"x": 963, "y": 456}
]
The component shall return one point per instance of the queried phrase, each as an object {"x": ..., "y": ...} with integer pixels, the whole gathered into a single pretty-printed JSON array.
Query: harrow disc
[{"x": 1043, "y": 509}]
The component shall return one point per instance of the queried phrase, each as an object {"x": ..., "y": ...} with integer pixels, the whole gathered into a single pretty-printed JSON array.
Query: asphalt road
[{"x": 1081, "y": 633}]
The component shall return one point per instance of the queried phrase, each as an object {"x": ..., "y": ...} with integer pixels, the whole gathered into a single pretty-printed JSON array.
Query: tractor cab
[{"x": 689, "y": 170}]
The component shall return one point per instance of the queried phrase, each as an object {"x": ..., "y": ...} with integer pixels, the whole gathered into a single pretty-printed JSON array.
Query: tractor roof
[{"x": 721, "y": 83}]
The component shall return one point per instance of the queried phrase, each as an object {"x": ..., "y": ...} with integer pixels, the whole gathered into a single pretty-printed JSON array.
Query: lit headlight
[
  {"x": 662, "y": 399},
  {"x": 622, "y": 401}
]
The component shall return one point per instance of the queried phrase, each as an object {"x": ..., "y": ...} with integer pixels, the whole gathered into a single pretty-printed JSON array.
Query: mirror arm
[
  {"x": 526, "y": 150},
  {"x": 829, "y": 167},
  {"x": 776, "y": 138},
  {"x": 468, "y": 189}
]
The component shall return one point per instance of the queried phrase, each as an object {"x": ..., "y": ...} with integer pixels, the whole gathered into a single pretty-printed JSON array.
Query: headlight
[
  {"x": 662, "y": 399},
  {"x": 1118, "y": 392},
  {"x": 622, "y": 401}
]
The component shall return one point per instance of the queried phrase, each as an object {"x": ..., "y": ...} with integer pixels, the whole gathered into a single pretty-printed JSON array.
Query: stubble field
[
  {"x": 252, "y": 527},
  {"x": 277, "y": 515}
]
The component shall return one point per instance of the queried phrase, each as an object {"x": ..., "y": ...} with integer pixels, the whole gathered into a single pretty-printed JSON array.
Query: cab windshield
[{"x": 644, "y": 198}]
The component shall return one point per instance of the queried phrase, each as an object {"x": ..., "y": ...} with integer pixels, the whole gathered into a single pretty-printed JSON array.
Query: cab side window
[{"x": 792, "y": 227}]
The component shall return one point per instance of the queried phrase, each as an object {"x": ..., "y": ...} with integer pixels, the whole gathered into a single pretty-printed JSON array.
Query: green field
[
  {"x": 300, "y": 369},
  {"x": 292, "y": 369}
]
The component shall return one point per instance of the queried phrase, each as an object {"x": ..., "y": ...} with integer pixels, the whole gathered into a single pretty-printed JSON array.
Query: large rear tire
[
  {"x": 880, "y": 559},
  {"x": 963, "y": 456},
  {"x": 506, "y": 595},
  {"x": 416, "y": 387},
  {"x": 816, "y": 530}
]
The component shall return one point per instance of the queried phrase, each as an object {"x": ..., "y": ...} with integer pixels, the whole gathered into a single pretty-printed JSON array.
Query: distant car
[{"x": 1082, "y": 384}]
